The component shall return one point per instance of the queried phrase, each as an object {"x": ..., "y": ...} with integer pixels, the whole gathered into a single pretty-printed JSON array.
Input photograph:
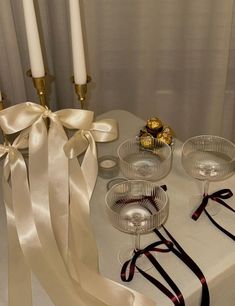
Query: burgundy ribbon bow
[
  {"x": 218, "y": 197},
  {"x": 176, "y": 298},
  {"x": 171, "y": 245}
]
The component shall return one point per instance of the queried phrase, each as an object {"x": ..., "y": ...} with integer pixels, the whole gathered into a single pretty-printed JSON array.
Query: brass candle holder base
[
  {"x": 40, "y": 85},
  {"x": 81, "y": 90}
]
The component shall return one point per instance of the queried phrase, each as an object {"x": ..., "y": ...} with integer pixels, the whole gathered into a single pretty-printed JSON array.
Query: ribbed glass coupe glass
[
  {"x": 136, "y": 207},
  {"x": 208, "y": 158}
]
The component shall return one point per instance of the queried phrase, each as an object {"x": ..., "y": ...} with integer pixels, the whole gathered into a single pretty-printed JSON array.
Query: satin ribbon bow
[
  {"x": 176, "y": 297},
  {"x": 32, "y": 212},
  {"x": 172, "y": 291},
  {"x": 48, "y": 165},
  {"x": 218, "y": 197},
  {"x": 48, "y": 177}
]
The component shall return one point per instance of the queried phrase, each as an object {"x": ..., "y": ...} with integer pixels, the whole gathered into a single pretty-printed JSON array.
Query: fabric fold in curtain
[{"x": 171, "y": 59}]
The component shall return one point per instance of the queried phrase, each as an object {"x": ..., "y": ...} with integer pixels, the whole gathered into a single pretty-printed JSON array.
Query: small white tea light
[{"x": 108, "y": 166}]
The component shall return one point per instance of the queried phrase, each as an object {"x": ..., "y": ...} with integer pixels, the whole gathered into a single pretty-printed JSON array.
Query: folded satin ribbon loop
[
  {"x": 18, "y": 117},
  {"x": 217, "y": 197},
  {"x": 76, "y": 145},
  {"x": 104, "y": 130},
  {"x": 222, "y": 194},
  {"x": 101, "y": 131}
]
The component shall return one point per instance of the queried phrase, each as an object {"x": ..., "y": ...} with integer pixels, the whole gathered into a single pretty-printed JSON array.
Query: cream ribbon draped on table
[{"x": 38, "y": 210}]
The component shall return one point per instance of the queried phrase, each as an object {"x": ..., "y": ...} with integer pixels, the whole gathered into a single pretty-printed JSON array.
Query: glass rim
[{"x": 212, "y": 136}]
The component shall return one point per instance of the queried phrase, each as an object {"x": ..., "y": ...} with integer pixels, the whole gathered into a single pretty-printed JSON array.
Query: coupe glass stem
[
  {"x": 137, "y": 240},
  {"x": 205, "y": 187}
]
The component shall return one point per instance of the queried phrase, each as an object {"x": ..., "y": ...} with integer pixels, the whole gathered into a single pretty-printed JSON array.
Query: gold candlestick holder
[
  {"x": 40, "y": 85},
  {"x": 81, "y": 90}
]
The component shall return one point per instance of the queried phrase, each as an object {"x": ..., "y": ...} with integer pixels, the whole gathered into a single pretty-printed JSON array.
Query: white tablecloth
[{"x": 210, "y": 249}]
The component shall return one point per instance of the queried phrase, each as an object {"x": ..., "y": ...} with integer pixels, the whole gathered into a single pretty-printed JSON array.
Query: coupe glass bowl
[
  {"x": 208, "y": 157},
  {"x": 138, "y": 163},
  {"x": 136, "y": 207}
]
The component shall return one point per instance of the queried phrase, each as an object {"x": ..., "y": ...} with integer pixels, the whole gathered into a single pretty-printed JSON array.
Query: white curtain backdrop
[{"x": 174, "y": 59}]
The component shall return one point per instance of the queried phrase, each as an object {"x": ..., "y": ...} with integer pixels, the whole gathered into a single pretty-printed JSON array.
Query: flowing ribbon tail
[
  {"x": 34, "y": 224},
  {"x": 58, "y": 185},
  {"x": 82, "y": 242},
  {"x": 176, "y": 298},
  {"x": 180, "y": 253},
  {"x": 19, "y": 275},
  {"x": 32, "y": 212},
  {"x": 90, "y": 162},
  {"x": 83, "y": 252},
  {"x": 200, "y": 209},
  {"x": 223, "y": 230},
  {"x": 41, "y": 248}
]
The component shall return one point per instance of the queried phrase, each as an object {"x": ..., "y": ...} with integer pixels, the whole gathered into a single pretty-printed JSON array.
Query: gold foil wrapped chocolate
[
  {"x": 167, "y": 131},
  {"x": 154, "y": 123},
  {"x": 155, "y": 129},
  {"x": 147, "y": 141},
  {"x": 165, "y": 138},
  {"x": 154, "y": 126}
]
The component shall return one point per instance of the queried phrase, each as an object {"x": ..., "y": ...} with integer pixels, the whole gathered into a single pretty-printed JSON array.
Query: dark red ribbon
[
  {"x": 176, "y": 298},
  {"x": 171, "y": 245},
  {"x": 218, "y": 197},
  {"x": 181, "y": 254}
]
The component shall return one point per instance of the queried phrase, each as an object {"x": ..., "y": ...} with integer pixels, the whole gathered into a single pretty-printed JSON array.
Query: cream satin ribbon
[
  {"x": 105, "y": 130},
  {"x": 43, "y": 149},
  {"x": 32, "y": 211},
  {"x": 82, "y": 246},
  {"x": 19, "y": 275},
  {"x": 54, "y": 277},
  {"x": 31, "y": 206}
]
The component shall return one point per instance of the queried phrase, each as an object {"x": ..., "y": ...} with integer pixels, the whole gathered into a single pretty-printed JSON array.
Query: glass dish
[{"x": 137, "y": 162}]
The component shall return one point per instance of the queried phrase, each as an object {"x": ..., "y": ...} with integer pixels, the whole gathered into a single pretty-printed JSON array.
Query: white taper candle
[
  {"x": 79, "y": 66},
  {"x": 35, "y": 52}
]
